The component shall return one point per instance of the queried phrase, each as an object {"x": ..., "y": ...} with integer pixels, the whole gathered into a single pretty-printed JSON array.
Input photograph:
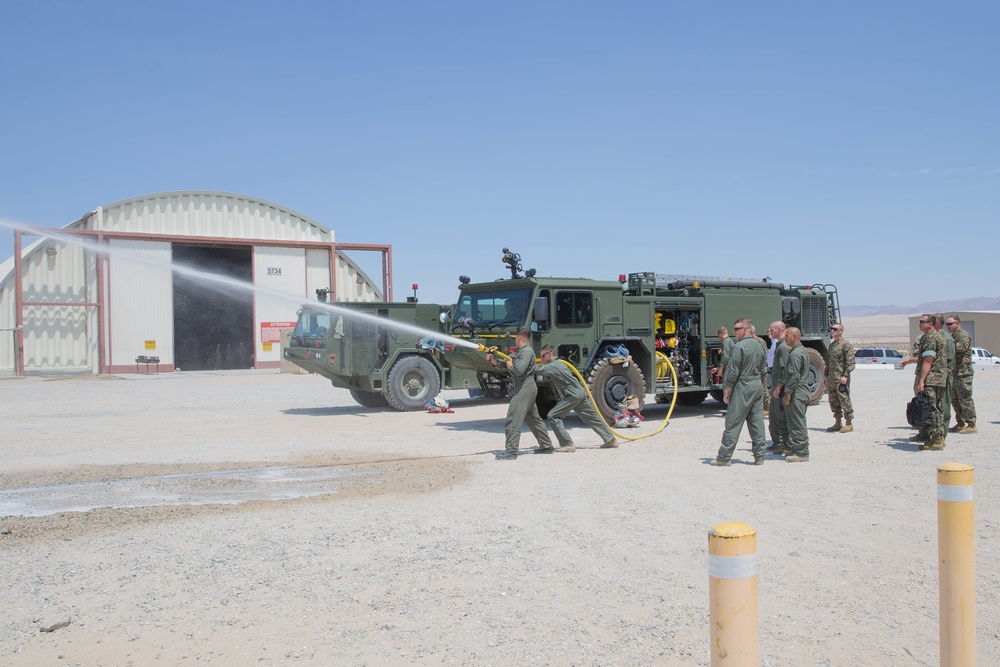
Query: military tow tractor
[
  {"x": 619, "y": 334},
  {"x": 381, "y": 365}
]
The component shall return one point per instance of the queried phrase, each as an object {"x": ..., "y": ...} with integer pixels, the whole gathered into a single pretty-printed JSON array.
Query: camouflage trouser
[
  {"x": 939, "y": 428},
  {"x": 839, "y": 403},
  {"x": 961, "y": 400}
]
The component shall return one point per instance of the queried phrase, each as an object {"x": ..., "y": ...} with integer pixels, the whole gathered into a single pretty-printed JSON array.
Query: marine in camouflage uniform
[
  {"x": 932, "y": 374},
  {"x": 961, "y": 396},
  {"x": 939, "y": 326},
  {"x": 522, "y": 408},
  {"x": 573, "y": 398},
  {"x": 744, "y": 396},
  {"x": 796, "y": 396},
  {"x": 838, "y": 380}
]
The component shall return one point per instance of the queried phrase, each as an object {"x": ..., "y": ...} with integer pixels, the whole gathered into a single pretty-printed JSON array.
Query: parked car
[
  {"x": 983, "y": 357},
  {"x": 878, "y": 355}
]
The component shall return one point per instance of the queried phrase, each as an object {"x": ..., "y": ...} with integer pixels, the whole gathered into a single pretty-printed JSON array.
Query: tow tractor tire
[
  {"x": 412, "y": 382},
  {"x": 817, "y": 371},
  {"x": 691, "y": 399},
  {"x": 611, "y": 383},
  {"x": 369, "y": 399},
  {"x": 716, "y": 394}
]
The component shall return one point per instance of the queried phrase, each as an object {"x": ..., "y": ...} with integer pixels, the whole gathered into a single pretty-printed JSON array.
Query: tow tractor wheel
[
  {"x": 369, "y": 399},
  {"x": 412, "y": 382},
  {"x": 611, "y": 383},
  {"x": 817, "y": 371}
]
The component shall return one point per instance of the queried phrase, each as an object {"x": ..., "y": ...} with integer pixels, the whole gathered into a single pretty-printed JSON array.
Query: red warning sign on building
[{"x": 270, "y": 332}]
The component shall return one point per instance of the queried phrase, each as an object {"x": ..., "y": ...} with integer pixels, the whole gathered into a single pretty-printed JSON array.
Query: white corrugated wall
[
  {"x": 55, "y": 337},
  {"x": 280, "y": 273},
  {"x": 140, "y": 306}
]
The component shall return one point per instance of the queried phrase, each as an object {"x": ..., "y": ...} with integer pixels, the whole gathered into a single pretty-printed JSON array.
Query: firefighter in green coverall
[
  {"x": 522, "y": 408},
  {"x": 573, "y": 398},
  {"x": 795, "y": 391},
  {"x": 744, "y": 395}
]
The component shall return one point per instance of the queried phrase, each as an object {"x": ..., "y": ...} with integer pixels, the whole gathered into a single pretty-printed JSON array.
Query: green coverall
[
  {"x": 796, "y": 377},
  {"x": 746, "y": 399},
  {"x": 573, "y": 398},
  {"x": 522, "y": 406}
]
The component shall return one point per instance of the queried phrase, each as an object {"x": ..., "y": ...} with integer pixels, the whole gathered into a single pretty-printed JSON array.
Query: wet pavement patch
[{"x": 226, "y": 487}]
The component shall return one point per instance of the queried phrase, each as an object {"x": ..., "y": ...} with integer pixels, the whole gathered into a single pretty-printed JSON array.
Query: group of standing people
[
  {"x": 743, "y": 366},
  {"x": 943, "y": 354},
  {"x": 944, "y": 373}
]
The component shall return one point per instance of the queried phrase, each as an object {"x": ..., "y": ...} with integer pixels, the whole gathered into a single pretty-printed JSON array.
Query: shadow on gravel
[
  {"x": 903, "y": 445},
  {"x": 355, "y": 410}
]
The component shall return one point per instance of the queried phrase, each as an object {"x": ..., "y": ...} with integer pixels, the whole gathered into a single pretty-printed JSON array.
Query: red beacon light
[{"x": 621, "y": 278}]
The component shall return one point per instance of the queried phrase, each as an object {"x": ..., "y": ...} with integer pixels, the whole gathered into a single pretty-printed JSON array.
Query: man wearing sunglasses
[
  {"x": 931, "y": 374},
  {"x": 961, "y": 397},
  {"x": 744, "y": 395},
  {"x": 838, "y": 380}
]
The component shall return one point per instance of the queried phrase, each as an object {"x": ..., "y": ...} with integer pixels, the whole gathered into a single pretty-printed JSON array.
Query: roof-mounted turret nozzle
[{"x": 513, "y": 262}]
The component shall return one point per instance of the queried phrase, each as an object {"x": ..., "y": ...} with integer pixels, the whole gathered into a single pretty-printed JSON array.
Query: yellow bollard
[
  {"x": 732, "y": 594},
  {"x": 956, "y": 565}
]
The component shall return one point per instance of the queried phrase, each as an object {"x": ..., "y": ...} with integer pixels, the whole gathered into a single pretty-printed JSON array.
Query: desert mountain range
[{"x": 975, "y": 303}]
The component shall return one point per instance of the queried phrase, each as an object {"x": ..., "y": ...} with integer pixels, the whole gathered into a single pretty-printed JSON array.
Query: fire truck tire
[
  {"x": 369, "y": 399},
  {"x": 611, "y": 383},
  {"x": 716, "y": 394},
  {"x": 817, "y": 371},
  {"x": 689, "y": 399},
  {"x": 412, "y": 382}
]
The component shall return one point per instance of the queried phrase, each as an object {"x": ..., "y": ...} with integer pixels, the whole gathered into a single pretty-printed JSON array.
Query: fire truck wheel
[
  {"x": 716, "y": 394},
  {"x": 817, "y": 371},
  {"x": 611, "y": 383},
  {"x": 412, "y": 382},
  {"x": 369, "y": 399}
]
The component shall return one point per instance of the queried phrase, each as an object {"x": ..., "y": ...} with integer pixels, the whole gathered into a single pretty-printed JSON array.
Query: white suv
[
  {"x": 878, "y": 355},
  {"x": 983, "y": 357}
]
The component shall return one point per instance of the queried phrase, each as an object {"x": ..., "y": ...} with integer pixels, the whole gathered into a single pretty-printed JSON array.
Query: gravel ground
[{"x": 435, "y": 553}]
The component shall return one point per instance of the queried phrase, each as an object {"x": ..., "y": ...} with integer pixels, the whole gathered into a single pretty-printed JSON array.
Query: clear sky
[{"x": 853, "y": 143}]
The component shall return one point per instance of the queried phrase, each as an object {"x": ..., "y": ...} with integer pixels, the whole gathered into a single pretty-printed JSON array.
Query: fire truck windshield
[{"x": 492, "y": 309}]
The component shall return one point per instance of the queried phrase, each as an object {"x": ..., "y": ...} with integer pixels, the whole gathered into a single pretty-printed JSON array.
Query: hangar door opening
[{"x": 213, "y": 323}]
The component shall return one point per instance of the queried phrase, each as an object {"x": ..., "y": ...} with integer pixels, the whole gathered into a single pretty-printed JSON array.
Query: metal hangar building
[{"x": 197, "y": 280}]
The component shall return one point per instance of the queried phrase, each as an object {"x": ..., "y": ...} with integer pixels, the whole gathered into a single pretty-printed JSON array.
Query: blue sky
[{"x": 853, "y": 143}]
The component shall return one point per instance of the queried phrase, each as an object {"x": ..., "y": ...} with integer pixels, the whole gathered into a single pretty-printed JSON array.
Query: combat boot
[
  {"x": 969, "y": 428},
  {"x": 848, "y": 427},
  {"x": 957, "y": 428},
  {"x": 919, "y": 436},
  {"x": 936, "y": 444},
  {"x": 836, "y": 427}
]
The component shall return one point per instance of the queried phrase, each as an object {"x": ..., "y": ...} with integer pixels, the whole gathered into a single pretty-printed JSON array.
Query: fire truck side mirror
[{"x": 541, "y": 310}]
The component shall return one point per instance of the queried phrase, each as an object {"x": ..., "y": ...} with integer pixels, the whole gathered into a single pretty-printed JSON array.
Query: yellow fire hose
[{"x": 660, "y": 359}]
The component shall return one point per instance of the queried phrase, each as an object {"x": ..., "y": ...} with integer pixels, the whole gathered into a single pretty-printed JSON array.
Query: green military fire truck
[{"x": 617, "y": 333}]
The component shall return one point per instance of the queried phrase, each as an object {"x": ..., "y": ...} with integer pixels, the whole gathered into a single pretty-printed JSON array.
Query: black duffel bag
[{"x": 920, "y": 411}]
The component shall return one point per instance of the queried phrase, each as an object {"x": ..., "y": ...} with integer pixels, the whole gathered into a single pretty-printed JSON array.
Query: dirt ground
[{"x": 435, "y": 553}]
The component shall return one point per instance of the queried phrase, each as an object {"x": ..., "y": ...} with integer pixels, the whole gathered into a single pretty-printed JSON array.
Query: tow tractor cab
[
  {"x": 375, "y": 351},
  {"x": 619, "y": 334}
]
